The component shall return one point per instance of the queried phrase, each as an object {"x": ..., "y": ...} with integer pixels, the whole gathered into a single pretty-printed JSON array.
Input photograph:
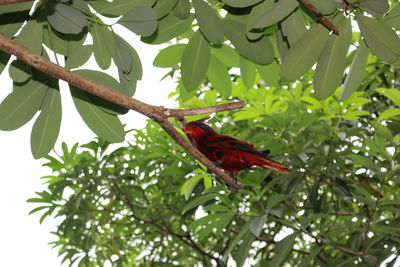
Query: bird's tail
[{"x": 273, "y": 165}]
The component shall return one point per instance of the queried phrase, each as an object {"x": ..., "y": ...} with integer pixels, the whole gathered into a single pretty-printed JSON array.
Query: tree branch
[
  {"x": 156, "y": 113},
  {"x": 6, "y": 2},
  {"x": 326, "y": 22}
]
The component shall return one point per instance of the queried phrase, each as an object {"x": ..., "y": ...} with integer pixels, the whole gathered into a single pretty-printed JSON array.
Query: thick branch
[
  {"x": 6, "y": 2},
  {"x": 158, "y": 114},
  {"x": 326, "y": 22},
  {"x": 180, "y": 113}
]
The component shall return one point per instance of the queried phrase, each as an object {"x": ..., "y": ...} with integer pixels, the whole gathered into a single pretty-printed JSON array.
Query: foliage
[
  {"x": 338, "y": 207},
  {"x": 209, "y": 38}
]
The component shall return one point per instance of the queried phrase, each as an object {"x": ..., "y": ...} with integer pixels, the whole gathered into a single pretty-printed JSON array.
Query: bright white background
[{"x": 23, "y": 241}]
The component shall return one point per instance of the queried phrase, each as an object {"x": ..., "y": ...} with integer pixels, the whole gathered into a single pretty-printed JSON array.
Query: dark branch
[{"x": 324, "y": 20}]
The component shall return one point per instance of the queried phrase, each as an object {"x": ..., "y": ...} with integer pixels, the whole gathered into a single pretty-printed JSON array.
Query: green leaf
[
  {"x": 219, "y": 77},
  {"x": 31, "y": 36},
  {"x": 62, "y": 43},
  {"x": 47, "y": 125},
  {"x": 66, "y": 19},
  {"x": 307, "y": 261},
  {"x": 78, "y": 57},
  {"x": 4, "y": 58},
  {"x": 226, "y": 54},
  {"x": 243, "y": 250},
  {"x": 376, "y": 8},
  {"x": 136, "y": 63},
  {"x": 103, "y": 124},
  {"x": 103, "y": 45},
  {"x": 118, "y": 8},
  {"x": 380, "y": 38},
  {"x": 19, "y": 71},
  {"x": 392, "y": 94},
  {"x": 332, "y": 63},
  {"x": 108, "y": 81},
  {"x": 257, "y": 225},
  {"x": 168, "y": 28},
  {"x": 13, "y": 22},
  {"x": 269, "y": 73},
  {"x": 389, "y": 114},
  {"x": 393, "y": 17},
  {"x": 195, "y": 61},
  {"x": 275, "y": 200},
  {"x": 274, "y": 14},
  {"x": 182, "y": 9},
  {"x": 260, "y": 51},
  {"x": 239, "y": 237},
  {"x": 326, "y": 7},
  {"x": 248, "y": 72},
  {"x": 356, "y": 72},
  {"x": 170, "y": 56},
  {"x": 10, "y": 8},
  {"x": 122, "y": 56},
  {"x": 304, "y": 53},
  {"x": 140, "y": 20},
  {"x": 293, "y": 27},
  {"x": 314, "y": 199},
  {"x": 282, "y": 250},
  {"x": 164, "y": 7},
  {"x": 21, "y": 105},
  {"x": 188, "y": 186},
  {"x": 362, "y": 161},
  {"x": 241, "y": 3},
  {"x": 198, "y": 201},
  {"x": 210, "y": 24}
]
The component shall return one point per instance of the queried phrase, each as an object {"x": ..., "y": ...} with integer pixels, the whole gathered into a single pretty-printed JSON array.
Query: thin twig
[
  {"x": 180, "y": 113},
  {"x": 156, "y": 113},
  {"x": 324, "y": 20},
  {"x": 6, "y": 2}
]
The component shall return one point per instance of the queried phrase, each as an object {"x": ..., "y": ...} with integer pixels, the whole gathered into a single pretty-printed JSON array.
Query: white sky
[{"x": 24, "y": 242}]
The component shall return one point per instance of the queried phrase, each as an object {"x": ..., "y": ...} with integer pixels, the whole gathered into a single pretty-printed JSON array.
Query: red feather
[{"x": 229, "y": 153}]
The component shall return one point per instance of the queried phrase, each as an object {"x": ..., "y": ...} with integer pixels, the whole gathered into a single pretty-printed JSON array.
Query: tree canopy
[{"x": 321, "y": 81}]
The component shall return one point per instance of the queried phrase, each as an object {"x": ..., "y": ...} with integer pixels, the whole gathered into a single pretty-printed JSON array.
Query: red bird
[{"x": 228, "y": 153}]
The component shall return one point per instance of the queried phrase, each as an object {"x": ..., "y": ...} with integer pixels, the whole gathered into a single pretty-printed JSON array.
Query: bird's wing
[{"x": 227, "y": 142}]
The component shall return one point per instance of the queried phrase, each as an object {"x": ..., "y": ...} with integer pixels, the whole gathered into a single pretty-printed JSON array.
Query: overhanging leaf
[
  {"x": 389, "y": 114},
  {"x": 164, "y": 7},
  {"x": 103, "y": 45},
  {"x": 78, "y": 57},
  {"x": 241, "y": 3},
  {"x": 219, "y": 77},
  {"x": 210, "y": 24},
  {"x": 392, "y": 94},
  {"x": 247, "y": 72},
  {"x": 282, "y": 250},
  {"x": 140, "y": 20},
  {"x": 182, "y": 9},
  {"x": 274, "y": 14},
  {"x": 377, "y": 8},
  {"x": 257, "y": 225},
  {"x": 66, "y": 19},
  {"x": 31, "y": 36},
  {"x": 169, "y": 56}
]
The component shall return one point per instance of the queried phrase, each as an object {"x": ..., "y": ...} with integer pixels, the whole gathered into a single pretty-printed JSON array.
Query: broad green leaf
[
  {"x": 21, "y": 105},
  {"x": 47, "y": 125},
  {"x": 198, "y": 201},
  {"x": 307, "y": 260},
  {"x": 31, "y": 36},
  {"x": 293, "y": 27},
  {"x": 217, "y": 207},
  {"x": 78, "y": 56},
  {"x": 103, "y": 124},
  {"x": 122, "y": 56},
  {"x": 363, "y": 161},
  {"x": 392, "y": 94},
  {"x": 247, "y": 72},
  {"x": 66, "y": 19},
  {"x": 19, "y": 71},
  {"x": 389, "y": 114},
  {"x": 140, "y": 20},
  {"x": 10, "y": 8},
  {"x": 326, "y": 7},
  {"x": 169, "y": 56},
  {"x": 209, "y": 22},
  {"x": 239, "y": 237},
  {"x": 304, "y": 53},
  {"x": 314, "y": 197},
  {"x": 168, "y": 28},
  {"x": 257, "y": 225},
  {"x": 136, "y": 63},
  {"x": 269, "y": 73},
  {"x": 393, "y": 18},
  {"x": 243, "y": 250},
  {"x": 60, "y": 43},
  {"x": 182, "y": 9},
  {"x": 226, "y": 54},
  {"x": 12, "y": 22},
  {"x": 356, "y": 72},
  {"x": 380, "y": 38},
  {"x": 376, "y": 8},
  {"x": 4, "y": 58},
  {"x": 260, "y": 51},
  {"x": 332, "y": 63},
  {"x": 195, "y": 61},
  {"x": 219, "y": 77},
  {"x": 118, "y": 8},
  {"x": 241, "y": 3},
  {"x": 204, "y": 221},
  {"x": 276, "y": 13},
  {"x": 217, "y": 223},
  {"x": 275, "y": 200},
  {"x": 188, "y": 186},
  {"x": 164, "y": 7},
  {"x": 108, "y": 81},
  {"x": 282, "y": 250},
  {"x": 103, "y": 45}
]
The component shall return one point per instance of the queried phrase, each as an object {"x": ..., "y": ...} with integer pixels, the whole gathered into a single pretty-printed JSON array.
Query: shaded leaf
[
  {"x": 210, "y": 24},
  {"x": 393, "y": 18},
  {"x": 282, "y": 250},
  {"x": 78, "y": 56},
  {"x": 243, "y": 250},
  {"x": 219, "y": 77},
  {"x": 257, "y": 225},
  {"x": 169, "y": 56},
  {"x": 198, "y": 201},
  {"x": 182, "y": 9},
  {"x": 19, "y": 71},
  {"x": 274, "y": 14},
  {"x": 103, "y": 45},
  {"x": 66, "y": 19},
  {"x": 241, "y": 3},
  {"x": 326, "y": 7},
  {"x": 4, "y": 58},
  {"x": 164, "y": 7},
  {"x": 122, "y": 56},
  {"x": 293, "y": 27},
  {"x": 226, "y": 54},
  {"x": 11, "y": 8},
  {"x": 247, "y": 72},
  {"x": 13, "y": 23},
  {"x": 31, "y": 36},
  {"x": 118, "y": 8},
  {"x": 269, "y": 73},
  {"x": 140, "y": 20},
  {"x": 376, "y": 8},
  {"x": 188, "y": 186}
]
